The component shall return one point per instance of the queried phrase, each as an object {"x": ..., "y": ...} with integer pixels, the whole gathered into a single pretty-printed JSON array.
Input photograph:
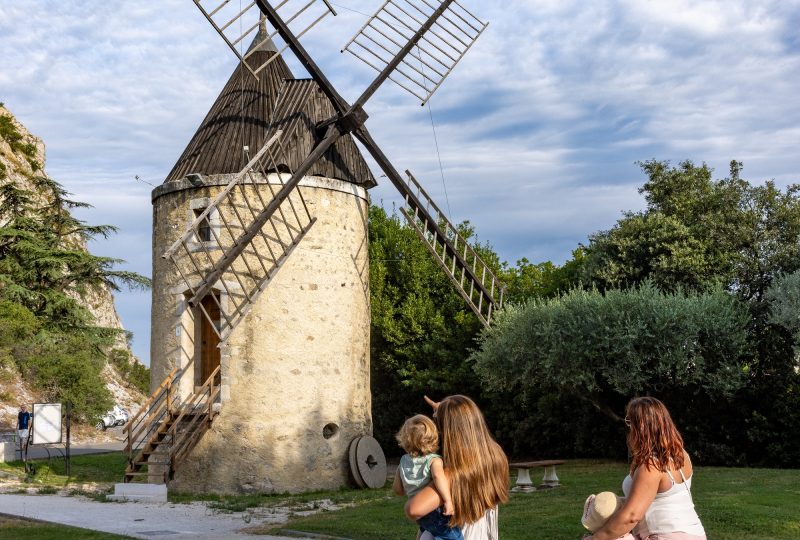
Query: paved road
[
  {"x": 39, "y": 452},
  {"x": 139, "y": 520}
]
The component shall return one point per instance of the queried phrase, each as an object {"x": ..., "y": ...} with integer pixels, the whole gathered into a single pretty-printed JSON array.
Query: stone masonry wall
[{"x": 295, "y": 372}]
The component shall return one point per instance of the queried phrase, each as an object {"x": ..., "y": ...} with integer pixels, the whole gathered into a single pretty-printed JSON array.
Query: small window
[
  {"x": 330, "y": 430},
  {"x": 204, "y": 227}
]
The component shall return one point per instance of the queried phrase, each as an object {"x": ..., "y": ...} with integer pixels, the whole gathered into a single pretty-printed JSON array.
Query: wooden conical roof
[{"x": 249, "y": 110}]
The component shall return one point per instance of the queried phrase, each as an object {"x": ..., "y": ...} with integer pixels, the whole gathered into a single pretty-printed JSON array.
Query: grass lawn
[
  {"x": 21, "y": 529},
  {"x": 734, "y": 504},
  {"x": 86, "y": 472}
]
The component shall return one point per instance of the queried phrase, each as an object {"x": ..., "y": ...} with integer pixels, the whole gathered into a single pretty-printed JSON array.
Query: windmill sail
[
  {"x": 235, "y": 21},
  {"x": 473, "y": 278},
  {"x": 422, "y": 41},
  {"x": 213, "y": 234},
  {"x": 441, "y": 47},
  {"x": 475, "y": 281}
]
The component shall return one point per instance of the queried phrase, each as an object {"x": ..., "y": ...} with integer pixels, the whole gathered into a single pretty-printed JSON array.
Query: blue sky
[{"x": 538, "y": 128}]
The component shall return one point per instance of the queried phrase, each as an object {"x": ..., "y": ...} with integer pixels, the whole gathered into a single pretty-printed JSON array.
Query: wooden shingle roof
[{"x": 246, "y": 113}]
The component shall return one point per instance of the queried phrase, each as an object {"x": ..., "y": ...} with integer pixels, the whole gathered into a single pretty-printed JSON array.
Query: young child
[{"x": 420, "y": 439}]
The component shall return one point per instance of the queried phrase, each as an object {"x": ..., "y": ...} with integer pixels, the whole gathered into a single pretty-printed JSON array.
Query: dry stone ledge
[
  {"x": 7, "y": 452},
  {"x": 139, "y": 492}
]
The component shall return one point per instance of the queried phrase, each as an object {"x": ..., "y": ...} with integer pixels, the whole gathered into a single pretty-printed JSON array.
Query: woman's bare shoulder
[{"x": 688, "y": 467}]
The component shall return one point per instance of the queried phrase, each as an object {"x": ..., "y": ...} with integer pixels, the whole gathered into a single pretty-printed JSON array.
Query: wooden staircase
[{"x": 166, "y": 428}]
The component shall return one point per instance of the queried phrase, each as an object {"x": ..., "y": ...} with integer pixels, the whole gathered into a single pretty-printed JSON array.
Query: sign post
[
  {"x": 69, "y": 425},
  {"x": 47, "y": 423},
  {"x": 47, "y": 427}
]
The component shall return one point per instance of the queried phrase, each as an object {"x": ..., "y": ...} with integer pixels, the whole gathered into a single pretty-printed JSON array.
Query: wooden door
[{"x": 209, "y": 340}]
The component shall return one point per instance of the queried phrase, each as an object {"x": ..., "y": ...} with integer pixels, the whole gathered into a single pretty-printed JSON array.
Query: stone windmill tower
[{"x": 260, "y": 314}]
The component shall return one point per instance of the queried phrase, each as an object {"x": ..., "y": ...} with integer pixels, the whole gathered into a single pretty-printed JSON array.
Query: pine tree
[
  {"x": 44, "y": 265},
  {"x": 45, "y": 271}
]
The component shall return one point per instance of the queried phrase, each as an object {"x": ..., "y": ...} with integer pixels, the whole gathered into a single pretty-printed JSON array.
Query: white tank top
[{"x": 671, "y": 511}]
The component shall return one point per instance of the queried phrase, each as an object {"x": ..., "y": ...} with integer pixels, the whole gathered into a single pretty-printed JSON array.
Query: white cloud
[{"x": 538, "y": 127}]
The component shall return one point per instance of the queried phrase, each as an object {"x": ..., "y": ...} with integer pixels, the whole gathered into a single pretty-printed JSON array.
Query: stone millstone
[
  {"x": 370, "y": 462},
  {"x": 354, "y": 473}
]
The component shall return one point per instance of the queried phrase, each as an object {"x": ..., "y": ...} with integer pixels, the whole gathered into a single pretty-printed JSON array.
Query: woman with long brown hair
[
  {"x": 658, "y": 503},
  {"x": 474, "y": 463}
]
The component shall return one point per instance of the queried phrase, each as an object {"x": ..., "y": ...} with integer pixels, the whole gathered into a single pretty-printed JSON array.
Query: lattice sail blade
[
  {"x": 218, "y": 230},
  {"x": 435, "y": 55},
  {"x": 235, "y": 22},
  {"x": 473, "y": 278}
]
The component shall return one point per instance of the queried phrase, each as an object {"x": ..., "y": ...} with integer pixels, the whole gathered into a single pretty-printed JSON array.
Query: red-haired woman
[{"x": 658, "y": 503}]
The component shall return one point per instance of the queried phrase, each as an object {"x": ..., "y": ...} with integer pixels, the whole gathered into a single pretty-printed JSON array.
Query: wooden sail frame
[
  {"x": 235, "y": 23},
  {"x": 438, "y": 233},
  {"x": 442, "y": 47}
]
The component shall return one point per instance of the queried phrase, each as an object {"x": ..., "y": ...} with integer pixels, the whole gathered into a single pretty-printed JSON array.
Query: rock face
[
  {"x": 18, "y": 169},
  {"x": 295, "y": 387},
  {"x": 15, "y": 165},
  {"x": 18, "y": 166}
]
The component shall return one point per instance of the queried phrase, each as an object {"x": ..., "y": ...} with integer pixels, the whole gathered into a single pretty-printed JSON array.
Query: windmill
[
  {"x": 416, "y": 44},
  {"x": 261, "y": 380}
]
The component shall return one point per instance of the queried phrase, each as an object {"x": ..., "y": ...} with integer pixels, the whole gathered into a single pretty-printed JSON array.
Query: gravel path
[{"x": 139, "y": 520}]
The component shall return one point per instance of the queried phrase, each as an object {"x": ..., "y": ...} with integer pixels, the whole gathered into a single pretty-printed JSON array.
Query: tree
[
  {"x": 45, "y": 270},
  {"x": 697, "y": 232},
  {"x": 67, "y": 367},
  {"x": 43, "y": 261},
  {"x": 784, "y": 300},
  {"x": 422, "y": 329},
  {"x": 604, "y": 348},
  {"x": 542, "y": 280}
]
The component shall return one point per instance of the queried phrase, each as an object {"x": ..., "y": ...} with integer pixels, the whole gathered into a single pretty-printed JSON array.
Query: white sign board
[{"x": 46, "y": 423}]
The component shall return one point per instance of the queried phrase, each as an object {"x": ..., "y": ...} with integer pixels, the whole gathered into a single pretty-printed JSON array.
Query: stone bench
[{"x": 524, "y": 483}]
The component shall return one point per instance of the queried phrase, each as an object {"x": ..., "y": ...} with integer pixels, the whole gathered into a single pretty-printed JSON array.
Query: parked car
[{"x": 115, "y": 417}]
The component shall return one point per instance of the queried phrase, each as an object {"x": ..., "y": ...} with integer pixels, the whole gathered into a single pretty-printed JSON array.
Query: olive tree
[{"x": 604, "y": 348}]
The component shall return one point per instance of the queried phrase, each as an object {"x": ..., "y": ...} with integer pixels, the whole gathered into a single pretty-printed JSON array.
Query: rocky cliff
[{"x": 21, "y": 159}]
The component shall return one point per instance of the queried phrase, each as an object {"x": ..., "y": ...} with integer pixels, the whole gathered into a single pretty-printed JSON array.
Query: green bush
[
  {"x": 17, "y": 326},
  {"x": 68, "y": 368},
  {"x": 577, "y": 359},
  {"x": 131, "y": 370},
  {"x": 8, "y": 131},
  {"x": 10, "y": 134},
  {"x": 17, "y": 323}
]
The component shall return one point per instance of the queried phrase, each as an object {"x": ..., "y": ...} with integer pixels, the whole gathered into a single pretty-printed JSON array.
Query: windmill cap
[
  {"x": 262, "y": 38},
  {"x": 598, "y": 508}
]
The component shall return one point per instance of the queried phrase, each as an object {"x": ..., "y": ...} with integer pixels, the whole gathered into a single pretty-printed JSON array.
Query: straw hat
[{"x": 598, "y": 508}]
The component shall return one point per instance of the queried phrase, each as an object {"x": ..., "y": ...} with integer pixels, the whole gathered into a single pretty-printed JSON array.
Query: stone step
[
  {"x": 8, "y": 452},
  {"x": 139, "y": 492}
]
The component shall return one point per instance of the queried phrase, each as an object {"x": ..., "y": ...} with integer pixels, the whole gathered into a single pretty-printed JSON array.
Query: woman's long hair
[
  {"x": 477, "y": 466},
  {"x": 653, "y": 439}
]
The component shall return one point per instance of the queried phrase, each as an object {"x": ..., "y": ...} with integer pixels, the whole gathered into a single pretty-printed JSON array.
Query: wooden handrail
[
  {"x": 184, "y": 445},
  {"x": 166, "y": 381},
  {"x": 192, "y": 401},
  {"x": 134, "y": 435},
  {"x": 191, "y": 405},
  {"x": 149, "y": 421}
]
